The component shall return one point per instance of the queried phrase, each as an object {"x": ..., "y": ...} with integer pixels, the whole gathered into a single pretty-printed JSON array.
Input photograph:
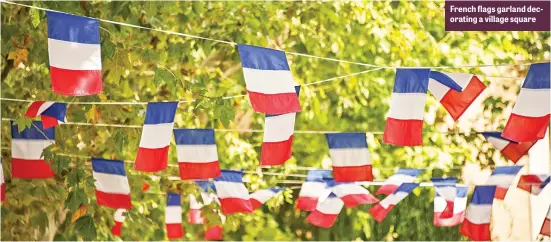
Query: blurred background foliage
[{"x": 141, "y": 65}]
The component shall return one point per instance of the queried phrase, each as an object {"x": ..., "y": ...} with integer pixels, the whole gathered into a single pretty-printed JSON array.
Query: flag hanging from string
[
  {"x": 326, "y": 212},
  {"x": 546, "y": 226},
  {"x": 156, "y": 135},
  {"x": 112, "y": 188},
  {"x": 173, "y": 216},
  {"x": 311, "y": 189},
  {"x": 197, "y": 153},
  {"x": 533, "y": 183},
  {"x": 381, "y": 209},
  {"x": 51, "y": 113},
  {"x": 269, "y": 80},
  {"x": 26, "y": 151},
  {"x": 75, "y": 54},
  {"x": 530, "y": 117},
  {"x": 233, "y": 195},
  {"x": 459, "y": 205},
  {"x": 476, "y": 225},
  {"x": 404, "y": 124},
  {"x": 446, "y": 188},
  {"x": 119, "y": 220},
  {"x": 509, "y": 149},
  {"x": 260, "y": 197},
  {"x": 502, "y": 177},
  {"x": 455, "y": 91},
  {"x": 352, "y": 194},
  {"x": 350, "y": 157},
  {"x": 403, "y": 175}
]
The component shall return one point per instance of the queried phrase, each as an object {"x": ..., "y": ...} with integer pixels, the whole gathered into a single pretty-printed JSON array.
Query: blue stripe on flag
[
  {"x": 545, "y": 182},
  {"x": 461, "y": 191},
  {"x": 297, "y": 90},
  {"x": 444, "y": 181},
  {"x": 409, "y": 171},
  {"x": 329, "y": 182},
  {"x": 173, "y": 199},
  {"x": 115, "y": 167},
  {"x": 445, "y": 80},
  {"x": 73, "y": 28},
  {"x": 57, "y": 111},
  {"x": 194, "y": 136},
  {"x": 509, "y": 170},
  {"x": 230, "y": 176},
  {"x": 332, "y": 195},
  {"x": 160, "y": 112},
  {"x": 538, "y": 76},
  {"x": 32, "y": 132},
  {"x": 260, "y": 58},
  {"x": 411, "y": 80},
  {"x": 317, "y": 175},
  {"x": 275, "y": 189},
  {"x": 406, "y": 187},
  {"x": 483, "y": 194},
  {"x": 346, "y": 140},
  {"x": 205, "y": 185},
  {"x": 496, "y": 135}
]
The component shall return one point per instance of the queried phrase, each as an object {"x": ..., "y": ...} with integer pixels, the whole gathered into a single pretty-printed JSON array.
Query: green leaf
[
  {"x": 120, "y": 139},
  {"x": 75, "y": 198},
  {"x": 35, "y": 17},
  {"x": 161, "y": 74},
  {"x": 86, "y": 227},
  {"x": 59, "y": 163},
  {"x": 22, "y": 123},
  {"x": 48, "y": 153},
  {"x": 224, "y": 111},
  {"x": 108, "y": 48},
  {"x": 41, "y": 221},
  {"x": 75, "y": 176},
  {"x": 92, "y": 115}
]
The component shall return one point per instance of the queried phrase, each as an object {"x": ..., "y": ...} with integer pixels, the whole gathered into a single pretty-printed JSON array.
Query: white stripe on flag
[
  {"x": 74, "y": 56},
  {"x": 348, "y": 189},
  {"x": 44, "y": 106},
  {"x": 28, "y": 149},
  {"x": 331, "y": 205},
  {"x": 498, "y": 143},
  {"x": 479, "y": 213},
  {"x": 173, "y": 215},
  {"x": 113, "y": 184},
  {"x": 502, "y": 180},
  {"x": 437, "y": 89},
  {"x": 193, "y": 203},
  {"x": 311, "y": 189},
  {"x": 197, "y": 153},
  {"x": 269, "y": 81},
  {"x": 350, "y": 157},
  {"x": 263, "y": 195},
  {"x": 398, "y": 179},
  {"x": 533, "y": 102},
  {"x": 119, "y": 217},
  {"x": 156, "y": 135},
  {"x": 231, "y": 190},
  {"x": 279, "y": 128},
  {"x": 393, "y": 199},
  {"x": 407, "y": 106},
  {"x": 462, "y": 79}
]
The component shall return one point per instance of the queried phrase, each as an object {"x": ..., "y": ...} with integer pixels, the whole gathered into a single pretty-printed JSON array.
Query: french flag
[
  {"x": 112, "y": 189},
  {"x": 533, "y": 183},
  {"x": 173, "y": 216},
  {"x": 476, "y": 225},
  {"x": 404, "y": 124},
  {"x": 311, "y": 189},
  {"x": 234, "y": 196},
  {"x": 455, "y": 91},
  {"x": 156, "y": 134},
  {"x": 326, "y": 212},
  {"x": 278, "y": 138},
  {"x": 502, "y": 177},
  {"x": 195, "y": 215},
  {"x": 350, "y": 157},
  {"x": 75, "y": 54},
  {"x": 261, "y": 196},
  {"x": 51, "y": 113},
  {"x": 459, "y": 205},
  {"x": 382, "y": 208},
  {"x": 403, "y": 175},
  {"x": 509, "y": 149},
  {"x": 119, "y": 219},
  {"x": 26, "y": 151},
  {"x": 353, "y": 194},
  {"x": 197, "y": 153},
  {"x": 530, "y": 116},
  {"x": 546, "y": 226},
  {"x": 2, "y": 185},
  {"x": 446, "y": 188},
  {"x": 214, "y": 233},
  {"x": 269, "y": 80}
]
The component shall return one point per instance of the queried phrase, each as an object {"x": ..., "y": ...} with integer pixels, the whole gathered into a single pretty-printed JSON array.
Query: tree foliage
[{"x": 141, "y": 66}]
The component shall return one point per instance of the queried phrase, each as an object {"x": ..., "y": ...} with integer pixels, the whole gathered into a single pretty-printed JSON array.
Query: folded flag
[
  {"x": 269, "y": 80},
  {"x": 459, "y": 205},
  {"x": 311, "y": 189},
  {"x": 234, "y": 196},
  {"x": 546, "y": 226},
  {"x": 26, "y": 151},
  {"x": 509, "y": 149},
  {"x": 350, "y": 157},
  {"x": 2, "y": 185},
  {"x": 173, "y": 216},
  {"x": 326, "y": 212},
  {"x": 75, "y": 54},
  {"x": 112, "y": 189},
  {"x": 51, "y": 113},
  {"x": 382, "y": 208},
  {"x": 353, "y": 194},
  {"x": 403, "y": 175},
  {"x": 156, "y": 134},
  {"x": 455, "y": 91},
  {"x": 278, "y": 138},
  {"x": 533, "y": 183},
  {"x": 195, "y": 215},
  {"x": 446, "y": 188},
  {"x": 476, "y": 225},
  {"x": 119, "y": 219},
  {"x": 214, "y": 233},
  {"x": 404, "y": 124},
  {"x": 502, "y": 177},
  {"x": 261, "y": 196},
  {"x": 530, "y": 116},
  {"x": 197, "y": 153}
]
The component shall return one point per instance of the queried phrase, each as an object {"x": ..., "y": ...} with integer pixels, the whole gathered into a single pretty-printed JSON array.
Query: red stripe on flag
[
  {"x": 255, "y": 203},
  {"x": 354, "y": 200},
  {"x": 448, "y": 222},
  {"x": 307, "y": 203},
  {"x": 478, "y": 232},
  {"x": 30, "y": 169},
  {"x": 403, "y": 132},
  {"x": 214, "y": 233},
  {"x": 152, "y": 160},
  {"x": 320, "y": 219},
  {"x": 524, "y": 129},
  {"x": 456, "y": 103},
  {"x": 500, "y": 193},
  {"x": 386, "y": 189},
  {"x": 192, "y": 171},
  {"x": 352, "y": 173},
  {"x": 195, "y": 216},
  {"x": 526, "y": 182},
  {"x": 116, "y": 230},
  {"x": 174, "y": 231},
  {"x": 235, "y": 205},
  {"x": 546, "y": 227},
  {"x": 48, "y": 122},
  {"x": 281, "y": 103},
  {"x": 276, "y": 153},
  {"x": 32, "y": 111},
  {"x": 113, "y": 200},
  {"x": 379, "y": 212},
  {"x": 448, "y": 211},
  {"x": 514, "y": 151},
  {"x": 76, "y": 82}
]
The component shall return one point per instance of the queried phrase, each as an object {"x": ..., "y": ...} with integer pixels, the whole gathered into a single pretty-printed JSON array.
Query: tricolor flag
[
  {"x": 326, "y": 212},
  {"x": 195, "y": 215},
  {"x": 112, "y": 189},
  {"x": 350, "y": 157},
  {"x": 530, "y": 117},
  {"x": 353, "y": 194},
  {"x": 546, "y": 226},
  {"x": 214, "y": 233},
  {"x": 533, "y": 183},
  {"x": 502, "y": 177},
  {"x": 403, "y": 175},
  {"x": 380, "y": 210},
  {"x": 510, "y": 149},
  {"x": 312, "y": 189},
  {"x": 197, "y": 153},
  {"x": 476, "y": 225},
  {"x": 156, "y": 134},
  {"x": 173, "y": 216},
  {"x": 75, "y": 54},
  {"x": 261, "y": 196},
  {"x": 446, "y": 189},
  {"x": 2, "y": 185},
  {"x": 234, "y": 196},
  {"x": 26, "y": 151},
  {"x": 455, "y": 91},
  {"x": 404, "y": 124},
  {"x": 269, "y": 80},
  {"x": 459, "y": 205},
  {"x": 119, "y": 219},
  {"x": 51, "y": 113},
  {"x": 278, "y": 138}
]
